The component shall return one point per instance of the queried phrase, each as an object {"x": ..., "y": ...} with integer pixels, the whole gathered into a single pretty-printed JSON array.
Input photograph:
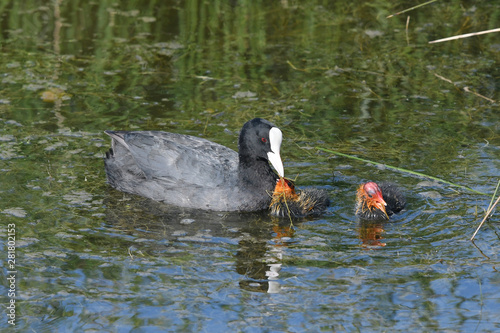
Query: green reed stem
[{"x": 402, "y": 170}]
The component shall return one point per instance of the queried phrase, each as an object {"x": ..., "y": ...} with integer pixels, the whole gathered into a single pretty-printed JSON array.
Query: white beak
[{"x": 275, "y": 138}]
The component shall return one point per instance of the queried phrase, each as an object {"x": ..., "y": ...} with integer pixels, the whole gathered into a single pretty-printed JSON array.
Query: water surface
[{"x": 331, "y": 75}]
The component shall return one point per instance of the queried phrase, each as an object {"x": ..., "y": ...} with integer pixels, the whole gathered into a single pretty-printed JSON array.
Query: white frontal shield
[{"x": 275, "y": 138}]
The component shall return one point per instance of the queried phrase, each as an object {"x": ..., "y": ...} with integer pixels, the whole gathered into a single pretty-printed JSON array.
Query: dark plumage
[
  {"x": 288, "y": 202},
  {"x": 378, "y": 202},
  {"x": 192, "y": 172}
]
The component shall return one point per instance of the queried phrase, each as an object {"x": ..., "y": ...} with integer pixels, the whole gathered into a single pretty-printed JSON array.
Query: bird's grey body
[{"x": 193, "y": 172}]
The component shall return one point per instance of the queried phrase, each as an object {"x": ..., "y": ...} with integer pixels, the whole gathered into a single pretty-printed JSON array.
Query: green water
[{"x": 330, "y": 74}]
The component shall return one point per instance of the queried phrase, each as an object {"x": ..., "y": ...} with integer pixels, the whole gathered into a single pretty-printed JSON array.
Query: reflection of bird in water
[
  {"x": 286, "y": 201},
  {"x": 370, "y": 233},
  {"x": 264, "y": 275},
  {"x": 374, "y": 202}
]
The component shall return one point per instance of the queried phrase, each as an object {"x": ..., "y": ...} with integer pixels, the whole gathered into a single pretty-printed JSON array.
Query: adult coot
[
  {"x": 192, "y": 172},
  {"x": 374, "y": 202}
]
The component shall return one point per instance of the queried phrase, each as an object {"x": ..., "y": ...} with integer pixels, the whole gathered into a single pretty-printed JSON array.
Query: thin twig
[
  {"x": 444, "y": 79},
  {"x": 485, "y": 217},
  {"x": 464, "y": 36},
  {"x": 407, "y": 24},
  {"x": 490, "y": 209},
  {"x": 494, "y": 194},
  {"x": 466, "y": 89},
  {"x": 297, "y": 69},
  {"x": 412, "y": 8},
  {"x": 480, "y": 251}
]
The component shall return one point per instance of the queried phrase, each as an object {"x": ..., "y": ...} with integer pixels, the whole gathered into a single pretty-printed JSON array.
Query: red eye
[{"x": 263, "y": 140}]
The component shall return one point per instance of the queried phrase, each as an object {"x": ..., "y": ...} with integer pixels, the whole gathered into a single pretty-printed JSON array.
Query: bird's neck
[{"x": 256, "y": 172}]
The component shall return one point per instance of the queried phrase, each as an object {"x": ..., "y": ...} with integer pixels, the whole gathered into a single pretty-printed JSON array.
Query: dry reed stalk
[{"x": 465, "y": 35}]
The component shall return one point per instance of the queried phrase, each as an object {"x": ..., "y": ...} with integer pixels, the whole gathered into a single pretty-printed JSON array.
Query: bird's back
[{"x": 178, "y": 169}]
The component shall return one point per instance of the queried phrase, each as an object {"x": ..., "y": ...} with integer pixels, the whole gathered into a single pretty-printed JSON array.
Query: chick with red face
[{"x": 378, "y": 202}]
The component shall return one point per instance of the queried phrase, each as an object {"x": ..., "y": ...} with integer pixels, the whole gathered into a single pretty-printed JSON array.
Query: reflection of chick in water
[
  {"x": 286, "y": 201},
  {"x": 371, "y": 234},
  {"x": 283, "y": 233}
]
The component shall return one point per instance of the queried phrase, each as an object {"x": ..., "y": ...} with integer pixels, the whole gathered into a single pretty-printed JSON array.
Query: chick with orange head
[
  {"x": 378, "y": 202},
  {"x": 286, "y": 201}
]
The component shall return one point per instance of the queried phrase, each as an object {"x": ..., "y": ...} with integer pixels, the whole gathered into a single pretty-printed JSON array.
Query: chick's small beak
[{"x": 379, "y": 202}]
